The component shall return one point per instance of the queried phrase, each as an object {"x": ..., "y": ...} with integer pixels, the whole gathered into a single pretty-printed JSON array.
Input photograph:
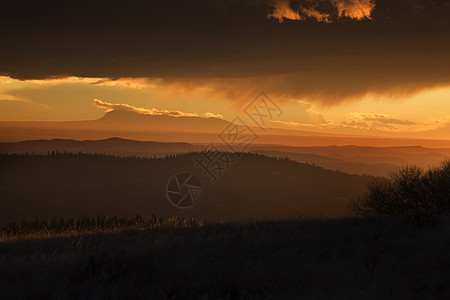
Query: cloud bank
[
  {"x": 327, "y": 51},
  {"x": 152, "y": 111}
]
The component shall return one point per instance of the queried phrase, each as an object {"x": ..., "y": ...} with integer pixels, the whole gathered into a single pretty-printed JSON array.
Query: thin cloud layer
[
  {"x": 315, "y": 14},
  {"x": 374, "y": 121},
  {"x": 382, "y": 118},
  {"x": 152, "y": 111}
]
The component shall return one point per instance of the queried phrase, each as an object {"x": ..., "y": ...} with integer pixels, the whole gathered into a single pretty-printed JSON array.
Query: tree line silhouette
[
  {"x": 73, "y": 184},
  {"x": 409, "y": 191}
]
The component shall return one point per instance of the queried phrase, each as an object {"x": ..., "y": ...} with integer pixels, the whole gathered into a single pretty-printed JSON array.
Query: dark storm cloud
[{"x": 400, "y": 48}]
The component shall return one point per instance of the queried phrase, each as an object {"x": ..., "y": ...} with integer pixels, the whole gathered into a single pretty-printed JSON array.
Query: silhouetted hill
[
  {"x": 256, "y": 186},
  {"x": 335, "y": 164},
  {"x": 379, "y": 161},
  {"x": 116, "y": 146},
  {"x": 132, "y": 125}
]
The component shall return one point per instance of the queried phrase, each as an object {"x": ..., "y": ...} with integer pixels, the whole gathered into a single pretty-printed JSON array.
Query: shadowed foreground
[
  {"x": 338, "y": 258},
  {"x": 254, "y": 186}
]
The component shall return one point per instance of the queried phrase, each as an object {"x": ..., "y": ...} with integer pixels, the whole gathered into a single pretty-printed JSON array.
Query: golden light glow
[
  {"x": 282, "y": 10},
  {"x": 152, "y": 111},
  {"x": 353, "y": 9},
  {"x": 425, "y": 114},
  {"x": 315, "y": 14}
]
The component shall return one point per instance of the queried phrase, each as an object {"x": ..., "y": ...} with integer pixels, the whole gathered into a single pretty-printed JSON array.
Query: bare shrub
[{"x": 409, "y": 191}]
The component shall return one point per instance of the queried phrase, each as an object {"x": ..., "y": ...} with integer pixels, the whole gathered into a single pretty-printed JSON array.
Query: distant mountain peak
[{"x": 121, "y": 114}]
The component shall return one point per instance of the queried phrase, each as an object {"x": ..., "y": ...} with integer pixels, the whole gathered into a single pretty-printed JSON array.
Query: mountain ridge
[
  {"x": 351, "y": 159},
  {"x": 191, "y": 129}
]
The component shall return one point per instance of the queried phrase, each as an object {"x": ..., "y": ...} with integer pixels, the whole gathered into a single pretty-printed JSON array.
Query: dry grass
[{"x": 309, "y": 259}]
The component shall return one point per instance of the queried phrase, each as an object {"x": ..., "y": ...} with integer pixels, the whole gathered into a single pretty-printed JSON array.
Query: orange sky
[
  {"x": 363, "y": 67},
  {"x": 424, "y": 114}
]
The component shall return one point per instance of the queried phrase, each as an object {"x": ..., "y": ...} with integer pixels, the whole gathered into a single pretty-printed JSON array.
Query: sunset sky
[{"x": 376, "y": 67}]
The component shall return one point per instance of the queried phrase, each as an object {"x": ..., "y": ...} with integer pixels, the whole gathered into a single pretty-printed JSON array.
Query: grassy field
[{"x": 111, "y": 258}]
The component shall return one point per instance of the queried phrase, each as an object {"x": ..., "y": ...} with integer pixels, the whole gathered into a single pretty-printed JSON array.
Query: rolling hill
[
  {"x": 359, "y": 160},
  {"x": 113, "y": 146},
  {"x": 131, "y": 125},
  {"x": 255, "y": 186}
]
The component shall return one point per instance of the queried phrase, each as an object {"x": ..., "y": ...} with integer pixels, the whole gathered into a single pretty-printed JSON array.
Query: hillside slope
[
  {"x": 255, "y": 186},
  {"x": 360, "y": 160},
  {"x": 114, "y": 146}
]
